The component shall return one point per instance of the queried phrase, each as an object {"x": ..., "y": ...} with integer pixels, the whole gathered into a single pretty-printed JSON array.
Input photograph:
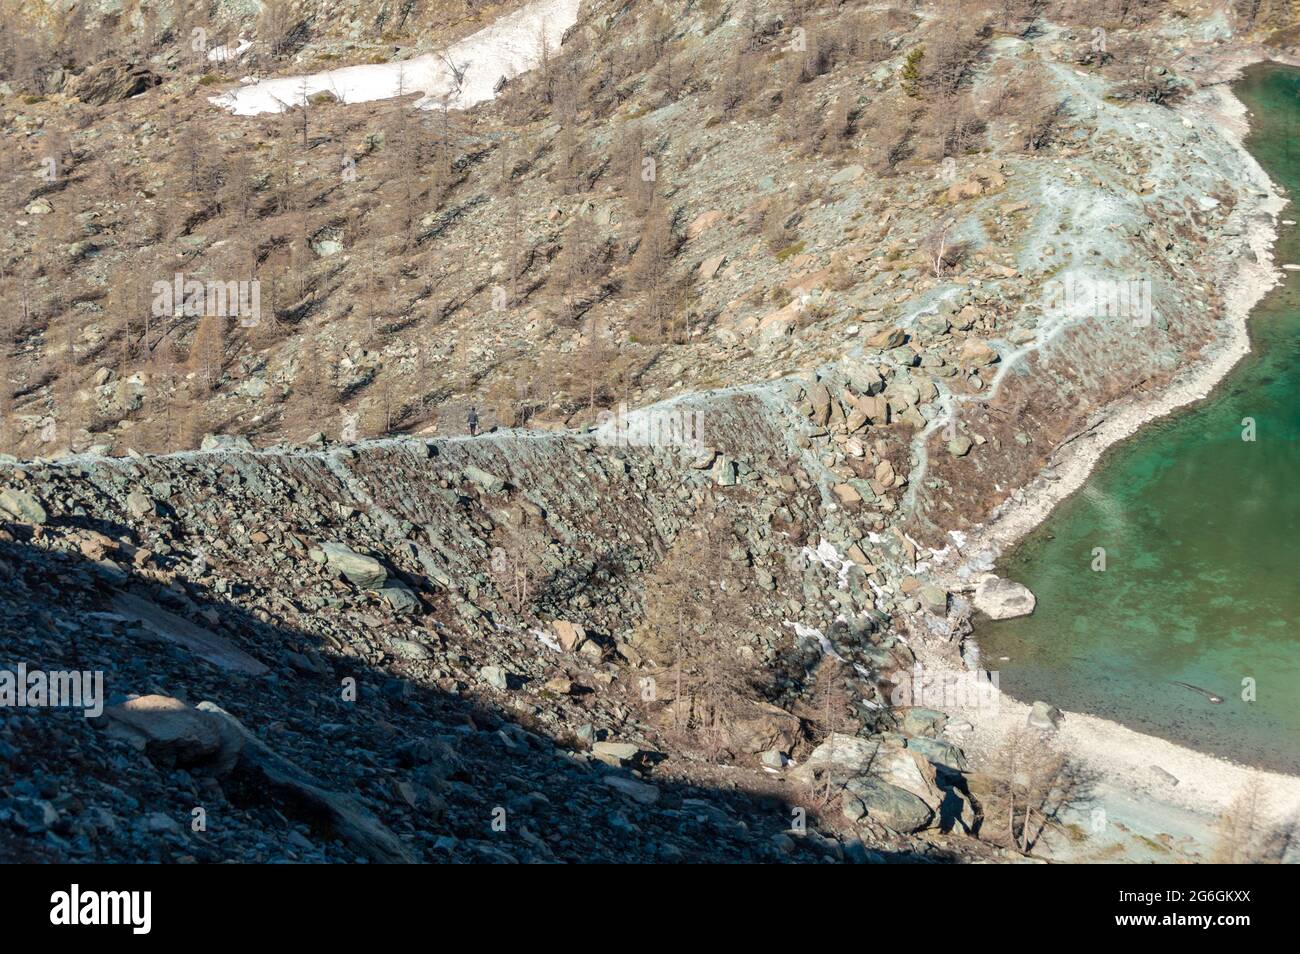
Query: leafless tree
[
  {"x": 276, "y": 25},
  {"x": 831, "y": 700},
  {"x": 1245, "y": 833},
  {"x": 652, "y": 264},
  {"x": 1040, "y": 111},
  {"x": 1030, "y": 784},
  {"x": 942, "y": 251}
]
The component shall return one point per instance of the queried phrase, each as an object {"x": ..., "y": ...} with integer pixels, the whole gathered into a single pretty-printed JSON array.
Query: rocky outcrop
[
  {"x": 174, "y": 734},
  {"x": 112, "y": 81}
]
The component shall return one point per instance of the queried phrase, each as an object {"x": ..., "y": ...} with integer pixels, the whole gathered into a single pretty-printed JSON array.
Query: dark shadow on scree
[{"x": 431, "y": 768}]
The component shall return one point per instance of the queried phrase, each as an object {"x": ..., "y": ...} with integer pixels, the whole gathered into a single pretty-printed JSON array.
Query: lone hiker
[{"x": 472, "y": 420}]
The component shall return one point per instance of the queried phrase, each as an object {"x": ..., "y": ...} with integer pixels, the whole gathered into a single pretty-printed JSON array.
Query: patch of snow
[
  {"x": 547, "y": 640},
  {"x": 808, "y": 632},
  {"x": 829, "y": 557},
  {"x": 229, "y": 52},
  {"x": 465, "y": 73}
]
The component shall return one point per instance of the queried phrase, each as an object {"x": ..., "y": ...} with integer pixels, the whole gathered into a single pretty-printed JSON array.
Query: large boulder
[
  {"x": 819, "y": 397},
  {"x": 158, "y": 623},
  {"x": 112, "y": 81},
  {"x": 887, "y": 338},
  {"x": 366, "y": 572},
  {"x": 21, "y": 505},
  {"x": 761, "y": 727},
  {"x": 909, "y": 770},
  {"x": 940, "y": 753},
  {"x": 569, "y": 635},
  {"x": 998, "y": 598},
  {"x": 976, "y": 353},
  {"x": 779, "y": 324},
  {"x": 225, "y": 442},
  {"x": 172, "y": 733},
  {"x": 703, "y": 222},
  {"x": 140, "y": 505},
  {"x": 1044, "y": 716},
  {"x": 615, "y": 753},
  {"x": 846, "y": 494},
  {"x": 934, "y": 599},
  {"x": 918, "y": 720},
  {"x": 490, "y": 483},
  {"x": 641, "y": 792},
  {"x": 846, "y": 753},
  {"x": 709, "y": 267},
  {"x": 724, "y": 471},
  {"x": 270, "y": 774},
  {"x": 886, "y": 804},
  {"x": 399, "y": 597}
]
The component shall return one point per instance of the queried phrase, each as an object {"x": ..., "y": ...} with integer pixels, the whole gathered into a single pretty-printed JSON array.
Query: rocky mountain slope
[
  {"x": 821, "y": 247},
  {"x": 576, "y": 242},
  {"x": 329, "y": 654}
]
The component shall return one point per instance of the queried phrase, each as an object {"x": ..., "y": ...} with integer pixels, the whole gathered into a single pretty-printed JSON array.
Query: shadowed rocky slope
[{"x": 261, "y": 583}]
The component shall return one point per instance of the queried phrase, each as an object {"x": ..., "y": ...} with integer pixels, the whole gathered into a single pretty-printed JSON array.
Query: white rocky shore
[{"x": 1159, "y": 792}]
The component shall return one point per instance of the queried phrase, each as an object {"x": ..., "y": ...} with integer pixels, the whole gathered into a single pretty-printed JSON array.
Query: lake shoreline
[{"x": 1127, "y": 763}]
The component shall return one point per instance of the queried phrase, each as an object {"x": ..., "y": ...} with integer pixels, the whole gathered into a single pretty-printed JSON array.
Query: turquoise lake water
[{"x": 1202, "y": 537}]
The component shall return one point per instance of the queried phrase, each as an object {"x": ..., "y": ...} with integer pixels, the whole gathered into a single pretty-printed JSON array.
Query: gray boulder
[
  {"x": 845, "y": 753},
  {"x": 400, "y": 598},
  {"x": 615, "y": 753},
  {"x": 408, "y": 649},
  {"x": 919, "y": 720},
  {"x": 366, "y": 572},
  {"x": 1165, "y": 778},
  {"x": 939, "y": 752},
  {"x": 21, "y": 505},
  {"x": 172, "y": 733},
  {"x": 934, "y": 599},
  {"x": 887, "y": 804},
  {"x": 960, "y": 445},
  {"x": 997, "y": 598},
  {"x": 225, "y": 442},
  {"x": 640, "y": 792},
  {"x": 1045, "y": 716},
  {"x": 490, "y": 483}
]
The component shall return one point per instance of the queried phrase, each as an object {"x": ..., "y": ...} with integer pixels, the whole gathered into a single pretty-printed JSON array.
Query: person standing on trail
[{"x": 472, "y": 420}]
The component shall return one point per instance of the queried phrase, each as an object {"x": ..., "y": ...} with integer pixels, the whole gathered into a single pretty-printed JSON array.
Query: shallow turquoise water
[{"x": 1202, "y": 537}]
